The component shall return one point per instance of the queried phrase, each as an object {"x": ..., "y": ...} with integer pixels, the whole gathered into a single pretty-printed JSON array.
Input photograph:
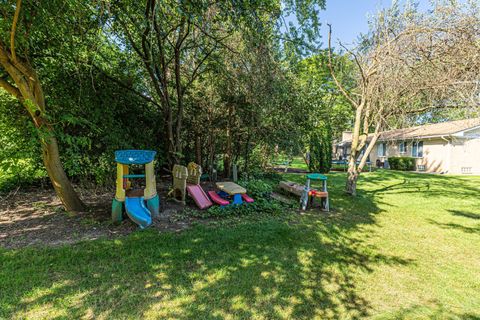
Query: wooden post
[{"x": 235, "y": 173}]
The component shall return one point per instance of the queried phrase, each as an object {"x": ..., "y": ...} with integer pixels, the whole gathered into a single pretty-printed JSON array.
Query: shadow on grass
[
  {"x": 456, "y": 226},
  {"x": 268, "y": 269},
  {"x": 437, "y": 311},
  {"x": 465, "y": 214},
  {"x": 431, "y": 185}
]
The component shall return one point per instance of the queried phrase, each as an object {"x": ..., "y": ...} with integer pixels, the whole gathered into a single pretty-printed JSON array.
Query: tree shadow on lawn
[
  {"x": 429, "y": 185},
  {"x": 456, "y": 226},
  {"x": 435, "y": 311},
  {"x": 471, "y": 215},
  {"x": 268, "y": 269}
]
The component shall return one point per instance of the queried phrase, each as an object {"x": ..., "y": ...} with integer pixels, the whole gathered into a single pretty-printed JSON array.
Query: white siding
[
  {"x": 465, "y": 154},
  {"x": 440, "y": 156}
]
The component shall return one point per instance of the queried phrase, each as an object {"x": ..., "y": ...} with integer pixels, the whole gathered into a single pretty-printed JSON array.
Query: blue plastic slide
[{"x": 138, "y": 212}]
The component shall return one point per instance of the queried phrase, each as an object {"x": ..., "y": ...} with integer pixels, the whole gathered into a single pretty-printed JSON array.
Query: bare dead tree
[{"x": 410, "y": 64}]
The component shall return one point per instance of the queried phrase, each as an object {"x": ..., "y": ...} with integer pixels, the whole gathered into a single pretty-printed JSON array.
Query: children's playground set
[{"x": 141, "y": 203}]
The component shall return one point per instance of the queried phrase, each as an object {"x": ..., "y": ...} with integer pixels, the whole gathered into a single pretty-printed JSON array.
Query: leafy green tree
[
  {"x": 204, "y": 81},
  {"x": 31, "y": 29},
  {"x": 320, "y": 148}
]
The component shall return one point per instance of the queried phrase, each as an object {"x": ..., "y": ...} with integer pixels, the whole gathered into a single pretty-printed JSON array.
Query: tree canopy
[{"x": 216, "y": 82}]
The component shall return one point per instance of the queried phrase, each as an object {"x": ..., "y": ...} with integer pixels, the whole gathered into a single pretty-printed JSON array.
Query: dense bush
[
  {"x": 321, "y": 150},
  {"x": 260, "y": 206},
  {"x": 402, "y": 163},
  {"x": 90, "y": 121},
  {"x": 20, "y": 161},
  {"x": 259, "y": 189}
]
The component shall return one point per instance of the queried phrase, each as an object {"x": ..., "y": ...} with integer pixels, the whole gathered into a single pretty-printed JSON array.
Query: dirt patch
[{"x": 36, "y": 217}]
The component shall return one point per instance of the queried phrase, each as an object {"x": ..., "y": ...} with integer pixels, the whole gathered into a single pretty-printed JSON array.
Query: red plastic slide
[
  {"x": 199, "y": 196},
  {"x": 217, "y": 199},
  {"x": 246, "y": 198}
]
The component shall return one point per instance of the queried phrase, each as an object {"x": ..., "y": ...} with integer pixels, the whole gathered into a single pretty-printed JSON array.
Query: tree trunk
[
  {"x": 246, "y": 167},
  {"x": 227, "y": 160},
  {"x": 352, "y": 177},
  {"x": 198, "y": 150},
  {"x": 352, "y": 174},
  {"x": 60, "y": 182},
  {"x": 354, "y": 169},
  {"x": 28, "y": 90},
  {"x": 211, "y": 151}
]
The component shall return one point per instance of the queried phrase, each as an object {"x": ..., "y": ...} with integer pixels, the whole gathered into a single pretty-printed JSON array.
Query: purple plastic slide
[{"x": 199, "y": 196}]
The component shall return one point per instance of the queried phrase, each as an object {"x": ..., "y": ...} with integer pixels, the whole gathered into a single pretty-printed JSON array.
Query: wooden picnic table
[{"x": 232, "y": 189}]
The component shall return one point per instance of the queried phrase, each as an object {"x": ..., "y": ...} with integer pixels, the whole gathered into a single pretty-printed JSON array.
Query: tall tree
[
  {"x": 411, "y": 63},
  {"x": 174, "y": 42},
  {"x": 33, "y": 27}
]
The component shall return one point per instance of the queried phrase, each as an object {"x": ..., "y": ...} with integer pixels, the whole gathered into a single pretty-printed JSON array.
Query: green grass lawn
[
  {"x": 298, "y": 163},
  {"x": 407, "y": 247}
]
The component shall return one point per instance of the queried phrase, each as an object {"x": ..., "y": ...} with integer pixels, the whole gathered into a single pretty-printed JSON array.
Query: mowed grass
[
  {"x": 408, "y": 247},
  {"x": 299, "y": 163}
]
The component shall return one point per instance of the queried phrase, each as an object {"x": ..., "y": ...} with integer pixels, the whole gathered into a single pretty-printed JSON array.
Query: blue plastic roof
[{"x": 134, "y": 156}]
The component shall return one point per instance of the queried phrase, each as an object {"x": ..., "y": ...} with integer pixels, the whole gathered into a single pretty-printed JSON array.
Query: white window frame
[
  {"x": 382, "y": 146},
  {"x": 415, "y": 148}
]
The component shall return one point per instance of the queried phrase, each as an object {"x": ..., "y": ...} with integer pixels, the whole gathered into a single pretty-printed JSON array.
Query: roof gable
[{"x": 432, "y": 130}]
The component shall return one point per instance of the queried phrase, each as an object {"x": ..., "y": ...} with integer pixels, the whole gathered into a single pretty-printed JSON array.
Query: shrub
[
  {"x": 260, "y": 206},
  {"x": 402, "y": 163},
  {"x": 321, "y": 150},
  {"x": 260, "y": 191},
  {"x": 256, "y": 188}
]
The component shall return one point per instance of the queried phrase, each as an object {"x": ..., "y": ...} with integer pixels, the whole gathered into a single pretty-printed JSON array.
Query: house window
[
  {"x": 402, "y": 147},
  {"x": 417, "y": 149},
  {"x": 362, "y": 152},
  {"x": 382, "y": 149}
]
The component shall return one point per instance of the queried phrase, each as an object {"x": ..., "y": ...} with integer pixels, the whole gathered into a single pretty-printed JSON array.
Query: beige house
[{"x": 449, "y": 147}]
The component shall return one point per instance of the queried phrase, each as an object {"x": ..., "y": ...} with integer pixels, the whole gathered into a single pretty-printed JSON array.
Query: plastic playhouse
[
  {"x": 141, "y": 205},
  {"x": 180, "y": 174}
]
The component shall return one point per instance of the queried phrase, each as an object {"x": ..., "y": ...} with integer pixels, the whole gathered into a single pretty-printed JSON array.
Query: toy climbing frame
[
  {"x": 140, "y": 205},
  {"x": 180, "y": 174}
]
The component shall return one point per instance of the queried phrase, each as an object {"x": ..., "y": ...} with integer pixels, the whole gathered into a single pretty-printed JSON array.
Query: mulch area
[{"x": 35, "y": 217}]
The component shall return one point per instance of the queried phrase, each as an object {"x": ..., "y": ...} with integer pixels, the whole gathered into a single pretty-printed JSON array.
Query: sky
[{"x": 349, "y": 18}]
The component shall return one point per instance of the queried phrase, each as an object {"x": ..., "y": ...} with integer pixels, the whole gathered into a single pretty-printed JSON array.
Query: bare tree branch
[
  {"x": 11, "y": 89},
  {"x": 330, "y": 66},
  {"x": 14, "y": 29}
]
